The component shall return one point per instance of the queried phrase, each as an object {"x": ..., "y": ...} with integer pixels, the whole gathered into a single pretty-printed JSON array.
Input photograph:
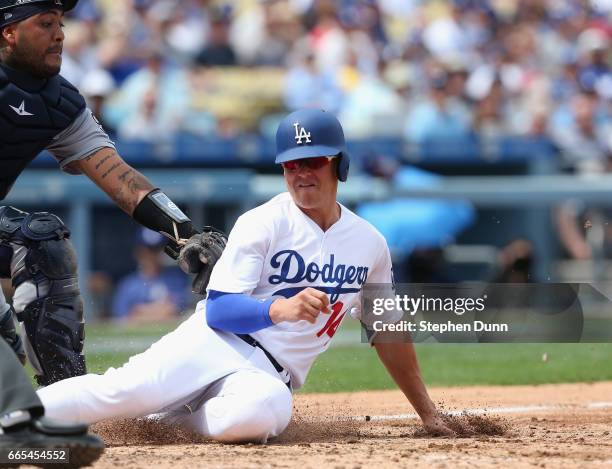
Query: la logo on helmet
[{"x": 300, "y": 133}]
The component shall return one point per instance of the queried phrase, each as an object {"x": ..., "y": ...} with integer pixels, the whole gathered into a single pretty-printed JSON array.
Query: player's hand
[
  {"x": 436, "y": 426},
  {"x": 305, "y": 306}
]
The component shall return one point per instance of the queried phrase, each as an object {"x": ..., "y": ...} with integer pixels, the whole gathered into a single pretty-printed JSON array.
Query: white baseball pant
[{"x": 205, "y": 380}]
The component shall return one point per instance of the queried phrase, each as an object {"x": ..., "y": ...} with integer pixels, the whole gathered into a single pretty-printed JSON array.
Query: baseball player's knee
[
  {"x": 262, "y": 414},
  {"x": 47, "y": 298}
]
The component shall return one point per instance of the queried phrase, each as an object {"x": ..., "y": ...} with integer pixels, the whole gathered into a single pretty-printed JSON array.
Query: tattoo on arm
[
  {"x": 103, "y": 160},
  {"x": 123, "y": 176},
  {"x": 124, "y": 185},
  {"x": 111, "y": 169},
  {"x": 133, "y": 187},
  {"x": 139, "y": 183}
]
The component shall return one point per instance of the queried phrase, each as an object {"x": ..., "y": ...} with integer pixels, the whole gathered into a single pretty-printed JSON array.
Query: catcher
[{"x": 40, "y": 110}]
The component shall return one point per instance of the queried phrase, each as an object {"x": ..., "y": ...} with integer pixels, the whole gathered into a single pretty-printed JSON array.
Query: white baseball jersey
[{"x": 275, "y": 250}]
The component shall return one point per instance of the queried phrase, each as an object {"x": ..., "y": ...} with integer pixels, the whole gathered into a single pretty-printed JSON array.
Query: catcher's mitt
[{"x": 200, "y": 254}]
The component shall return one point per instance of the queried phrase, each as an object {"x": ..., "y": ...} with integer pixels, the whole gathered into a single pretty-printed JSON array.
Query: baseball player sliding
[{"x": 291, "y": 270}]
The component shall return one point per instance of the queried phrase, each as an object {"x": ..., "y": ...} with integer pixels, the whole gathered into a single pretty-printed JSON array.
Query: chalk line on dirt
[{"x": 488, "y": 410}]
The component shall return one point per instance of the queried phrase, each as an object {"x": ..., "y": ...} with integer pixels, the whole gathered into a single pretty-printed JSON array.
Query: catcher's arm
[
  {"x": 135, "y": 195},
  {"x": 123, "y": 184},
  {"x": 401, "y": 361},
  {"x": 150, "y": 207}
]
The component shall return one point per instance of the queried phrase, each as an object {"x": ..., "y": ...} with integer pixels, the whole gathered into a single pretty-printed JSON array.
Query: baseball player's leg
[
  {"x": 22, "y": 421},
  {"x": 47, "y": 297},
  {"x": 178, "y": 365},
  {"x": 16, "y": 392},
  {"x": 8, "y": 331},
  {"x": 247, "y": 406}
]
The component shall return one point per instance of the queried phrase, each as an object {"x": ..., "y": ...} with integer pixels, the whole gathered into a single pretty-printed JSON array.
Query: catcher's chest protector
[{"x": 32, "y": 112}]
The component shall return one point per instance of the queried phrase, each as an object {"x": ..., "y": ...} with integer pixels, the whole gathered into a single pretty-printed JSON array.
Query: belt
[{"x": 254, "y": 343}]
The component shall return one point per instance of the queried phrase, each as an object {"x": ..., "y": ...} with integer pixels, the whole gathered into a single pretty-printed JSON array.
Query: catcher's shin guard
[
  {"x": 47, "y": 297},
  {"x": 55, "y": 331}
]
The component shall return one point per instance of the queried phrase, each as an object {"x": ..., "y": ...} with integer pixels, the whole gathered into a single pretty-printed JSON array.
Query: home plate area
[{"x": 523, "y": 426}]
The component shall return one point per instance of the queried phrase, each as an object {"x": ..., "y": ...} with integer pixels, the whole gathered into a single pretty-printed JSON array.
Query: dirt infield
[{"x": 547, "y": 426}]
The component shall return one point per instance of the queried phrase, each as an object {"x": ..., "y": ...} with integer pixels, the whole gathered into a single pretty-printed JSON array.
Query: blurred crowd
[{"x": 423, "y": 70}]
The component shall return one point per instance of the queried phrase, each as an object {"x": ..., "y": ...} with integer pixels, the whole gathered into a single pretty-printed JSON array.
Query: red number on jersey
[{"x": 331, "y": 326}]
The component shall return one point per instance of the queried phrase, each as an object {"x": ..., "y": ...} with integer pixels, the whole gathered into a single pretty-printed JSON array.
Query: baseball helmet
[
  {"x": 12, "y": 11},
  {"x": 310, "y": 133}
]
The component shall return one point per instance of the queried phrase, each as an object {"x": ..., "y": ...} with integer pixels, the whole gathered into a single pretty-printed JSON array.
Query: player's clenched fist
[{"x": 306, "y": 305}]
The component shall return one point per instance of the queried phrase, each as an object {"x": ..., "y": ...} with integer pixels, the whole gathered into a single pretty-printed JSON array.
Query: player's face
[
  {"x": 37, "y": 44},
  {"x": 312, "y": 182}
]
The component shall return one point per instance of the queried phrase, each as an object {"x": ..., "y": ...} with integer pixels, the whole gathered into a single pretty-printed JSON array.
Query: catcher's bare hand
[
  {"x": 199, "y": 255},
  {"x": 306, "y": 305},
  {"x": 436, "y": 426}
]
